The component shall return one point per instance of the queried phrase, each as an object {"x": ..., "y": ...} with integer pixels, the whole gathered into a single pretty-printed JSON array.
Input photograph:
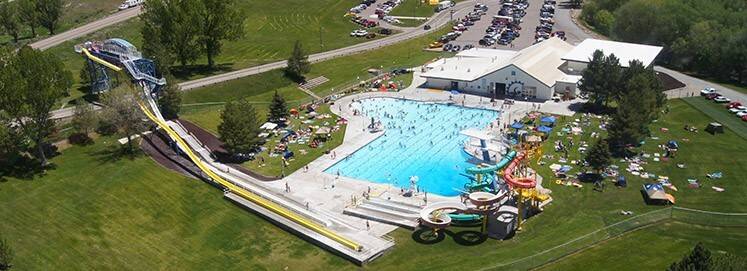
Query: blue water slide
[{"x": 500, "y": 165}]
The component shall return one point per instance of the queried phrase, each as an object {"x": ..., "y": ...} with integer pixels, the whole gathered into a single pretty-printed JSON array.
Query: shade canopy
[
  {"x": 549, "y": 119},
  {"x": 544, "y": 129},
  {"x": 268, "y": 126},
  {"x": 517, "y": 125}
]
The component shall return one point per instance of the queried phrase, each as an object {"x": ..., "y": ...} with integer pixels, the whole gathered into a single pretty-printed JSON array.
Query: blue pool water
[{"x": 432, "y": 150}]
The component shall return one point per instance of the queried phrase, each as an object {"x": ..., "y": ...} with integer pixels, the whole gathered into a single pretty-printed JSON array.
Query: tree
[
  {"x": 49, "y": 12},
  {"x": 220, "y": 20},
  {"x": 593, "y": 77},
  {"x": 698, "y": 259},
  {"x": 170, "y": 99},
  {"x": 278, "y": 108},
  {"x": 239, "y": 127},
  {"x": 6, "y": 255},
  {"x": 33, "y": 82},
  {"x": 298, "y": 63},
  {"x": 29, "y": 14},
  {"x": 599, "y": 156},
  {"x": 603, "y": 21},
  {"x": 629, "y": 124},
  {"x": 84, "y": 121},
  {"x": 122, "y": 110},
  {"x": 9, "y": 19},
  {"x": 171, "y": 26}
]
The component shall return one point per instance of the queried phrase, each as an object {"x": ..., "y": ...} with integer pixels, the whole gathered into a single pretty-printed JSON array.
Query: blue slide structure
[
  {"x": 123, "y": 54},
  {"x": 484, "y": 179}
]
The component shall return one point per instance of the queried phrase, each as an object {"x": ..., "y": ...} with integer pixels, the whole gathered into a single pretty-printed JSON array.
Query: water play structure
[
  {"x": 107, "y": 60},
  {"x": 500, "y": 196}
]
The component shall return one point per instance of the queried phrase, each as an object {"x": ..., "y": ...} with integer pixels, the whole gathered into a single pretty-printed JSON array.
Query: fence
[{"x": 580, "y": 243}]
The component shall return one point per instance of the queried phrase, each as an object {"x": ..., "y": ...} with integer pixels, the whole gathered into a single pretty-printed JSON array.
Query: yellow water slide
[{"x": 264, "y": 203}]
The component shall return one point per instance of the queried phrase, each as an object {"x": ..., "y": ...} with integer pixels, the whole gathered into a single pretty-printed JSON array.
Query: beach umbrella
[{"x": 517, "y": 125}]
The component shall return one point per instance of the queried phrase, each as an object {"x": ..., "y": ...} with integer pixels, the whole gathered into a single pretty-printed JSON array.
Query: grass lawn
[
  {"x": 410, "y": 22},
  {"x": 303, "y": 153},
  {"x": 75, "y": 13},
  {"x": 271, "y": 29},
  {"x": 719, "y": 113},
  {"x": 132, "y": 214},
  {"x": 654, "y": 247},
  {"x": 414, "y": 8}
]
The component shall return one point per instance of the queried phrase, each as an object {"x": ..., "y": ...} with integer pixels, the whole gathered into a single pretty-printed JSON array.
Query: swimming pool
[{"x": 420, "y": 139}]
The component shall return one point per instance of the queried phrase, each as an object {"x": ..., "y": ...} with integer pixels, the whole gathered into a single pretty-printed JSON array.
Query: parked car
[
  {"x": 468, "y": 46},
  {"x": 721, "y": 99},
  {"x": 744, "y": 118},
  {"x": 733, "y": 104},
  {"x": 427, "y": 27},
  {"x": 359, "y": 33},
  {"x": 712, "y": 95},
  {"x": 742, "y": 114},
  {"x": 707, "y": 90},
  {"x": 435, "y": 44},
  {"x": 385, "y": 31},
  {"x": 737, "y": 109},
  {"x": 447, "y": 47}
]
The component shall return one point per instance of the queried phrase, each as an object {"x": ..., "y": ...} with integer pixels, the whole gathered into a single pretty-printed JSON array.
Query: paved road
[
  {"x": 86, "y": 29},
  {"x": 694, "y": 85},
  {"x": 564, "y": 22},
  {"x": 435, "y": 22}
]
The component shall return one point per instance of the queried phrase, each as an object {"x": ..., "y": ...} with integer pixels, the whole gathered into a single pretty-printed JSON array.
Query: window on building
[{"x": 513, "y": 73}]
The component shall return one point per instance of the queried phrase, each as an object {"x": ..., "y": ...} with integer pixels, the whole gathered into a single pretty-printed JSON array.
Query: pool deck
[{"x": 331, "y": 194}]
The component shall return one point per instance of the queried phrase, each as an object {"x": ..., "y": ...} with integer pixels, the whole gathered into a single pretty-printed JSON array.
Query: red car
[
  {"x": 744, "y": 118},
  {"x": 733, "y": 104},
  {"x": 712, "y": 96}
]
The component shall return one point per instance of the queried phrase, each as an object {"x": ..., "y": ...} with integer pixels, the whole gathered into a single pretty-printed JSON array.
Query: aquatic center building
[{"x": 552, "y": 67}]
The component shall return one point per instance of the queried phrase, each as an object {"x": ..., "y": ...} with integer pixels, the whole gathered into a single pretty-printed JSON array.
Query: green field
[
  {"x": 75, "y": 13},
  {"x": 654, "y": 247},
  {"x": 131, "y": 214},
  {"x": 271, "y": 29},
  {"x": 413, "y": 8},
  {"x": 719, "y": 112}
]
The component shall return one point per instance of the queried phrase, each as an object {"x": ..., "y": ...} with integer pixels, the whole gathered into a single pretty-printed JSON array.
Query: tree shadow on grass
[
  {"x": 189, "y": 71},
  {"x": 116, "y": 153},
  {"x": 22, "y": 167}
]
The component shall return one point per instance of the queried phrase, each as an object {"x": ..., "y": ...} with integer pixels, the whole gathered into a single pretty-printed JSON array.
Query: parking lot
[{"x": 526, "y": 34}]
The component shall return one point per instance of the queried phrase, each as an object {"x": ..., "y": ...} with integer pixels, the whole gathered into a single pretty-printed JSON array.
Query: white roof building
[
  {"x": 624, "y": 51},
  {"x": 538, "y": 71}
]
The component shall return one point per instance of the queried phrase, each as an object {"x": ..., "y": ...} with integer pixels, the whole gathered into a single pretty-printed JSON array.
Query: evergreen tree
[
  {"x": 592, "y": 79},
  {"x": 278, "y": 108},
  {"x": 49, "y": 12},
  {"x": 599, "y": 156},
  {"x": 170, "y": 99},
  {"x": 629, "y": 124},
  {"x": 9, "y": 19},
  {"x": 698, "y": 260},
  {"x": 220, "y": 20},
  {"x": 239, "y": 127},
  {"x": 298, "y": 63},
  {"x": 6, "y": 255},
  {"x": 612, "y": 78},
  {"x": 29, "y": 14}
]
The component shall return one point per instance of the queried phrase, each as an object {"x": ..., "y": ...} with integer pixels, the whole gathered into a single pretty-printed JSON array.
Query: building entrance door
[{"x": 454, "y": 85}]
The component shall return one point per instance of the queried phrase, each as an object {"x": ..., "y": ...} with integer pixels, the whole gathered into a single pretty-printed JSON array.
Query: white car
[
  {"x": 707, "y": 90},
  {"x": 721, "y": 99},
  {"x": 359, "y": 33},
  {"x": 742, "y": 113},
  {"x": 124, "y": 6},
  {"x": 738, "y": 109}
]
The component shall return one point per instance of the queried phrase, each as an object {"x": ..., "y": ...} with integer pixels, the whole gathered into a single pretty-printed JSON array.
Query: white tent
[{"x": 268, "y": 126}]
